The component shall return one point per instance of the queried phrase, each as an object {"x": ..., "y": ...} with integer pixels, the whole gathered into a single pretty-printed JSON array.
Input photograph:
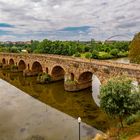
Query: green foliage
[
  {"x": 14, "y": 67},
  {"x": 104, "y": 55},
  {"x": 123, "y": 54},
  {"x": 134, "y": 53},
  {"x": 114, "y": 52},
  {"x": 88, "y": 55},
  {"x": 44, "y": 78},
  {"x": 133, "y": 118},
  {"x": 95, "y": 54},
  {"x": 98, "y": 50},
  {"x": 119, "y": 98},
  {"x": 34, "y": 45},
  {"x": 77, "y": 54},
  {"x": 108, "y": 46},
  {"x": 59, "y": 47},
  {"x": 71, "y": 82},
  {"x": 14, "y": 49}
]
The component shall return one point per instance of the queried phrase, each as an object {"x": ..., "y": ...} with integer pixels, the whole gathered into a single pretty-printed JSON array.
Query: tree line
[{"x": 91, "y": 49}]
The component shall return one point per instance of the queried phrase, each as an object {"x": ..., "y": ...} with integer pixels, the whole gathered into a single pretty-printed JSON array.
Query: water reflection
[
  {"x": 73, "y": 103},
  {"x": 35, "y": 120},
  {"x": 121, "y": 60},
  {"x": 96, "y": 89}
]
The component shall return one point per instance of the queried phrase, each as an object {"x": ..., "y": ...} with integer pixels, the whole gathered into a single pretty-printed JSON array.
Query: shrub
[
  {"x": 14, "y": 67},
  {"x": 114, "y": 52},
  {"x": 44, "y": 78},
  {"x": 88, "y": 55},
  {"x": 104, "y": 55},
  {"x": 95, "y": 54},
  {"x": 122, "y": 54},
  {"x": 77, "y": 54},
  {"x": 133, "y": 118},
  {"x": 71, "y": 82}
]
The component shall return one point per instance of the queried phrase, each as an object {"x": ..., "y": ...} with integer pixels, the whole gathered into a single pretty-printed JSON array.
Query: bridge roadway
[{"x": 77, "y": 72}]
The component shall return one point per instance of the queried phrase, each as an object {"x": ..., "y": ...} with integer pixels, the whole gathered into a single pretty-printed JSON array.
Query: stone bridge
[{"x": 76, "y": 72}]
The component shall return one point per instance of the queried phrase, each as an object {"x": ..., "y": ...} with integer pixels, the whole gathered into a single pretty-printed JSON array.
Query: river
[
  {"x": 22, "y": 117},
  {"x": 121, "y": 60},
  {"x": 74, "y": 104}
]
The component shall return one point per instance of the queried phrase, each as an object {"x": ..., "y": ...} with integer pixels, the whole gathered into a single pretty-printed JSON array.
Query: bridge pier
[
  {"x": 72, "y": 84},
  {"x": 75, "y": 86}
]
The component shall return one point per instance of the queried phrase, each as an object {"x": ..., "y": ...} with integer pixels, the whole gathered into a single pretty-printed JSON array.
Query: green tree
[
  {"x": 95, "y": 54},
  {"x": 77, "y": 54},
  {"x": 88, "y": 55},
  {"x": 114, "y": 52},
  {"x": 34, "y": 45},
  {"x": 134, "y": 53},
  {"x": 14, "y": 49},
  {"x": 119, "y": 98}
]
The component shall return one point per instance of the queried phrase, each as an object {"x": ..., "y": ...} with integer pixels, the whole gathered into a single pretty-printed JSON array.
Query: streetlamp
[{"x": 79, "y": 121}]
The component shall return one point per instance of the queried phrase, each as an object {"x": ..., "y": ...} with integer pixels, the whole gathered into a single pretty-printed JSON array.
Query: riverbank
[{"x": 23, "y": 118}]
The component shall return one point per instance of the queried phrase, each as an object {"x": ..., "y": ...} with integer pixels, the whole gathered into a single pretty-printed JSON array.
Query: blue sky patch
[
  {"x": 4, "y": 25},
  {"x": 75, "y": 29},
  {"x": 3, "y": 32}
]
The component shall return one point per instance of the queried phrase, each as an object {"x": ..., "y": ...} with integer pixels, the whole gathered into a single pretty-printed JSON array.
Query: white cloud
[{"x": 43, "y": 18}]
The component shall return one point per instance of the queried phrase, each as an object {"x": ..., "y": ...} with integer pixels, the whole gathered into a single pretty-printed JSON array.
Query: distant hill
[{"x": 134, "y": 53}]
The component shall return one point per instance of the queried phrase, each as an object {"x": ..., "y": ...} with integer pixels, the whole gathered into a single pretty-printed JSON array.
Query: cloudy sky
[{"x": 68, "y": 19}]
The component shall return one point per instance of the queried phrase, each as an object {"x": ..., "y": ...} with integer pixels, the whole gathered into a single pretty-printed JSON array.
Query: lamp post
[{"x": 79, "y": 121}]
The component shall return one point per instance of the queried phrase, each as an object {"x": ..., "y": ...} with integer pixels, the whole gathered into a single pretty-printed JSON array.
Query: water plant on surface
[
  {"x": 14, "y": 67},
  {"x": 43, "y": 78},
  {"x": 69, "y": 82}
]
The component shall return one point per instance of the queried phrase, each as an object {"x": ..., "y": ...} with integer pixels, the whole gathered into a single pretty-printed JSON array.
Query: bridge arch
[
  {"x": 72, "y": 76},
  {"x": 21, "y": 65},
  {"x": 58, "y": 72},
  {"x": 37, "y": 67},
  {"x": 11, "y": 62},
  {"x": 3, "y": 61},
  {"x": 85, "y": 77}
]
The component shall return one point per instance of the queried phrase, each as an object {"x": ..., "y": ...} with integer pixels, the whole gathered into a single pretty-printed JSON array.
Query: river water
[
  {"x": 121, "y": 60},
  {"x": 74, "y": 104},
  {"x": 22, "y": 117}
]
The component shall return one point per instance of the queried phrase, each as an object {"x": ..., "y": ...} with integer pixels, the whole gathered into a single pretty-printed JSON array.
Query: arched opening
[
  {"x": 58, "y": 73},
  {"x": 36, "y": 67},
  {"x": 85, "y": 77},
  {"x": 11, "y": 62},
  {"x": 21, "y": 65},
  {"x": 28, "y": 66},
  {"x": 3, "y": 61},
  {"x": 47, "y": 70},
  {"x": 72, "y": 77}
]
